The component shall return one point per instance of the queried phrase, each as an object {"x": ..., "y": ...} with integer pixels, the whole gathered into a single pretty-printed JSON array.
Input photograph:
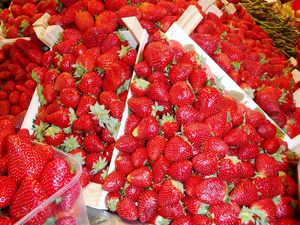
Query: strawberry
[
  {"x": 267, "y": 130},
  {"x": 22, "y": 159},
  {"x": 147, "y": 205},
  {"x": 84, "y": 104},
  {"x": 107, "y": 97},
  {"x": 155, "y": 147},
  {"x": 271, "y": 145},
  {"x": 205, "y": 163},
  {"x": 171, "y": 212},
  {"x": 133, "y": 192},
  {"x": 152, "y": 12},
  {"x": 185, "y": 219},
  {"x": 236, "y": 138},
  {"x": 116, "y": 109},
  {"x": 223, "y": 61},
  {"x": 95, "y": 7},
  {"x": 92, "y": 143},
  {"x": 170, "y": 188},
  {"x": 253, "y": 135},
  {"x": 68, "y": 199},
  {"x": 70, "y": 97},
  {"x": 83, "y": 20},
  {"x": 64, "y": 80},
  {"x": 127, "y": 143},
  {"x": 160, "y": 169},
  {"x": 139, "y": 87},
  {"x": 114, "y": 182},
  {"x": 3, "y": 165},
  {"x": 209, "y": 43},
  {"x": 265, "y": 210},
  {"x": 139, "y": 157},
  {"x": 289, "y": 183},
  {"x": 196, "y": 133},
  {"x": 210, "y": 100},
  {"x": 54, "y": 135},
  {"x": 180, "y": 72},
  {"x": 5, "y": 220},
  {"x": 198, "y": 79},
  {"x": 124, "y": 165},
  {"x": 93, "y": 37},
  {"x": 90, "y": 84},
  {"x": 219, "y": 123},
  {"x": 147, "y": 128},
  {"x": 285, "y": 206},
  {"x": 158, "y": 92},
  {"x": 142, "y": 69},
  {"x": 158, "y": 76},
  {"x": 168, "y": 126},
  {"x": 225, "y": 213},
  {"x": 116, "y": 75},
  {"x": 29, "y": 196},
  {"x": 110, "y": 41},
  {"x": 141, "y": 177},
  {"x": 79, "y": 154},
  {"x": 55, "y": 175},
  {"x": 84, "y": 123},
  {"x": 158, "y": 55},
  {"x": 200, "y": 219},
  {"x": 111, "y": 200},
  {"x": 177, "y": 149},
  {"x": 245, "y": 193},
  {"x": 127, "y": 209},
  {"x": 267, "y": 165},
  {"x": 141, "y": 106},
  {"x": 128, "y": 54},
  {"x": 286, "y": 221},
  {"x": 127, "y": 11},
  {"x": 268, "y": 99},
  {"x": 88, "y": 58},
  {"x": 7, "y": 191},
  {"x": 195, "y": 206},
  {"x": 181, "y": 94},
  {"x": 62, "y": 118},
  {"x": 207, "y": 189},
  {"x": 180, "y": 170},
  {"x": 107, "y": 21}
]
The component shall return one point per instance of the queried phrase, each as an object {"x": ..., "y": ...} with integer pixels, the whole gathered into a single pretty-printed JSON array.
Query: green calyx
[
  {"x": 100, "y": 164},
  {"x": 52, "y": 131},
  {"x": 112, "y": 204},
  {"x": 124, "y": 50},
  {"x": 80, "y": 71},
  {"x": 70, "y": 143},
  {"x": 79, "y": 158},
  {"x": 162, "y": 221},
  {"x": 246, "y": 215},
  {"x": 124, "y": 87},
  {"x": 236, "y": 66},
  {"x": 38, "y": 131},
  {"x": 72, "y": 116},
  {"x": 203, "y": 209},
  {"x": 40, "y": 90},
  {"x": 141, "y": 83}
]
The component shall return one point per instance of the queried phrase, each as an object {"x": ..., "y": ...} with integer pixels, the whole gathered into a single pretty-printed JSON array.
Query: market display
[
  {"x": 189, "y": 152},
  {"x": 217, "y": 157}
]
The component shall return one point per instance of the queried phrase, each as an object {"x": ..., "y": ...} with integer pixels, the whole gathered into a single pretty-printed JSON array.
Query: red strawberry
[
  {"x": 177, "y": 149},
  {"x": 139, "y": 157},
  {"x": 155, "y": 147},
  {"x": 110, "y": 41},
  {"x": 139, "y": 87},
  {"x": 158, "y": 92},
  {"x": 267, "y": 165},
  {"x": 22, "y": 159},
  {"x": 133, "y": 192},
  {"x": 223, "y": 61},
  {"x": 196, "y": 133},
  {"x": 111, "y": 200},
  {"x": 180, "y": 170},
  {"x": 55, "y": 175},
  {"x": 141, "y": 106},
  {"x": 209, "y": 100},
  {"x": 248, "y": 152},
  {"x": 158, "y": 76},
  {"x": 147, "y": 205},
  {"x": 285, "y": 206},
  {"x": 219, "y": 123},
  {"x": 93, "y": 37},
  {"x": 70, "y": 97},
  {"x": 84, "y": 123},
  {"x": 64, "y": 80},
  {"x": 289, "y": 183},
  {"x": 245, "y": 193},
  {"x": 209, "y": 43},
  {"x": 152, "y": 12},
  {"x": 127, "y": 143},
  {"x": 114, "y": 182},
  {"x": 147, "y": 128},
  {"x": 107, "y": 21},
  {"x": 84, "y": 104},
  {"x": 212, "y": 190},
  {"x": 92, "y": 143},
  {"x": 5, "y": 220},
  {"x": 128, "y": 55},
  {"x": 200, "y": 219},
  {"x": 236, "y": 138},
  {"x": 168, "y": 126},
  {"x": 90, "y": 84},
  {"x": 7, "y": 191},
  {"x": 54, "y": 135},
  {"x": 160, "y": 169},
  {"x": 170, "y": 193},
  {"x": 268, "y": 99},
  {"x": 195, "y": 206},
  {"x": 180, "y": 72},
  {"x": 171, "y": 212},
  {"x": 67, "y": 220},
  {"x": 158, "y": 55},
  {"x": 124, "y": 164},
  {"x": 29, "y": 196},
  {"x": 205, "y": 163},
  {"x": 187, "y": 114},
  {"x": 62, "y": 118},
  {"x": 127, "y": 209},
  {"x": 225, "y": 213},
  {"x": 181, "y": 94},
  {"x": 141, "y": 177},
  {"x": 267, "y": 130},
  {"x": 265, "y": 210},
  {"x": 83, "y": 20},
  {"x": 142, "y": 69},
  {"x": 198, "y": 79}
]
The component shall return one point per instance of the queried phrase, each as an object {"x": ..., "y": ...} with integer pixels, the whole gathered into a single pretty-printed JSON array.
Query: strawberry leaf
[
  {"x": 38, "y": 131},
  {"x": 124, "y": 87},
  {"x": 79, "y": 158},
  {"x": 100, "y": 164},
  {"x": 162, "y": 221},
  {"x": 80, "y": 71},
  {"x": 40, "y": 89},
  {"x": 52, "y": 131},
  {"x": 70, "y": 143},
  {"x": 246, "y": 215}
]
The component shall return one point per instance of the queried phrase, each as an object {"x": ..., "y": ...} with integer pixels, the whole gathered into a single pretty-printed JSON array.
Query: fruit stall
[{"x": 150, "y": 112}]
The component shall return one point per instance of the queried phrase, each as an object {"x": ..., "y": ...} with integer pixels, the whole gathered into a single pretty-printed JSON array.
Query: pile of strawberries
[
  {"x": 29, "y": 174},
  {"x": 16, "y": 85},
  {"x": 248, "y": 56},
  {"x": 191, "y": 155}
]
